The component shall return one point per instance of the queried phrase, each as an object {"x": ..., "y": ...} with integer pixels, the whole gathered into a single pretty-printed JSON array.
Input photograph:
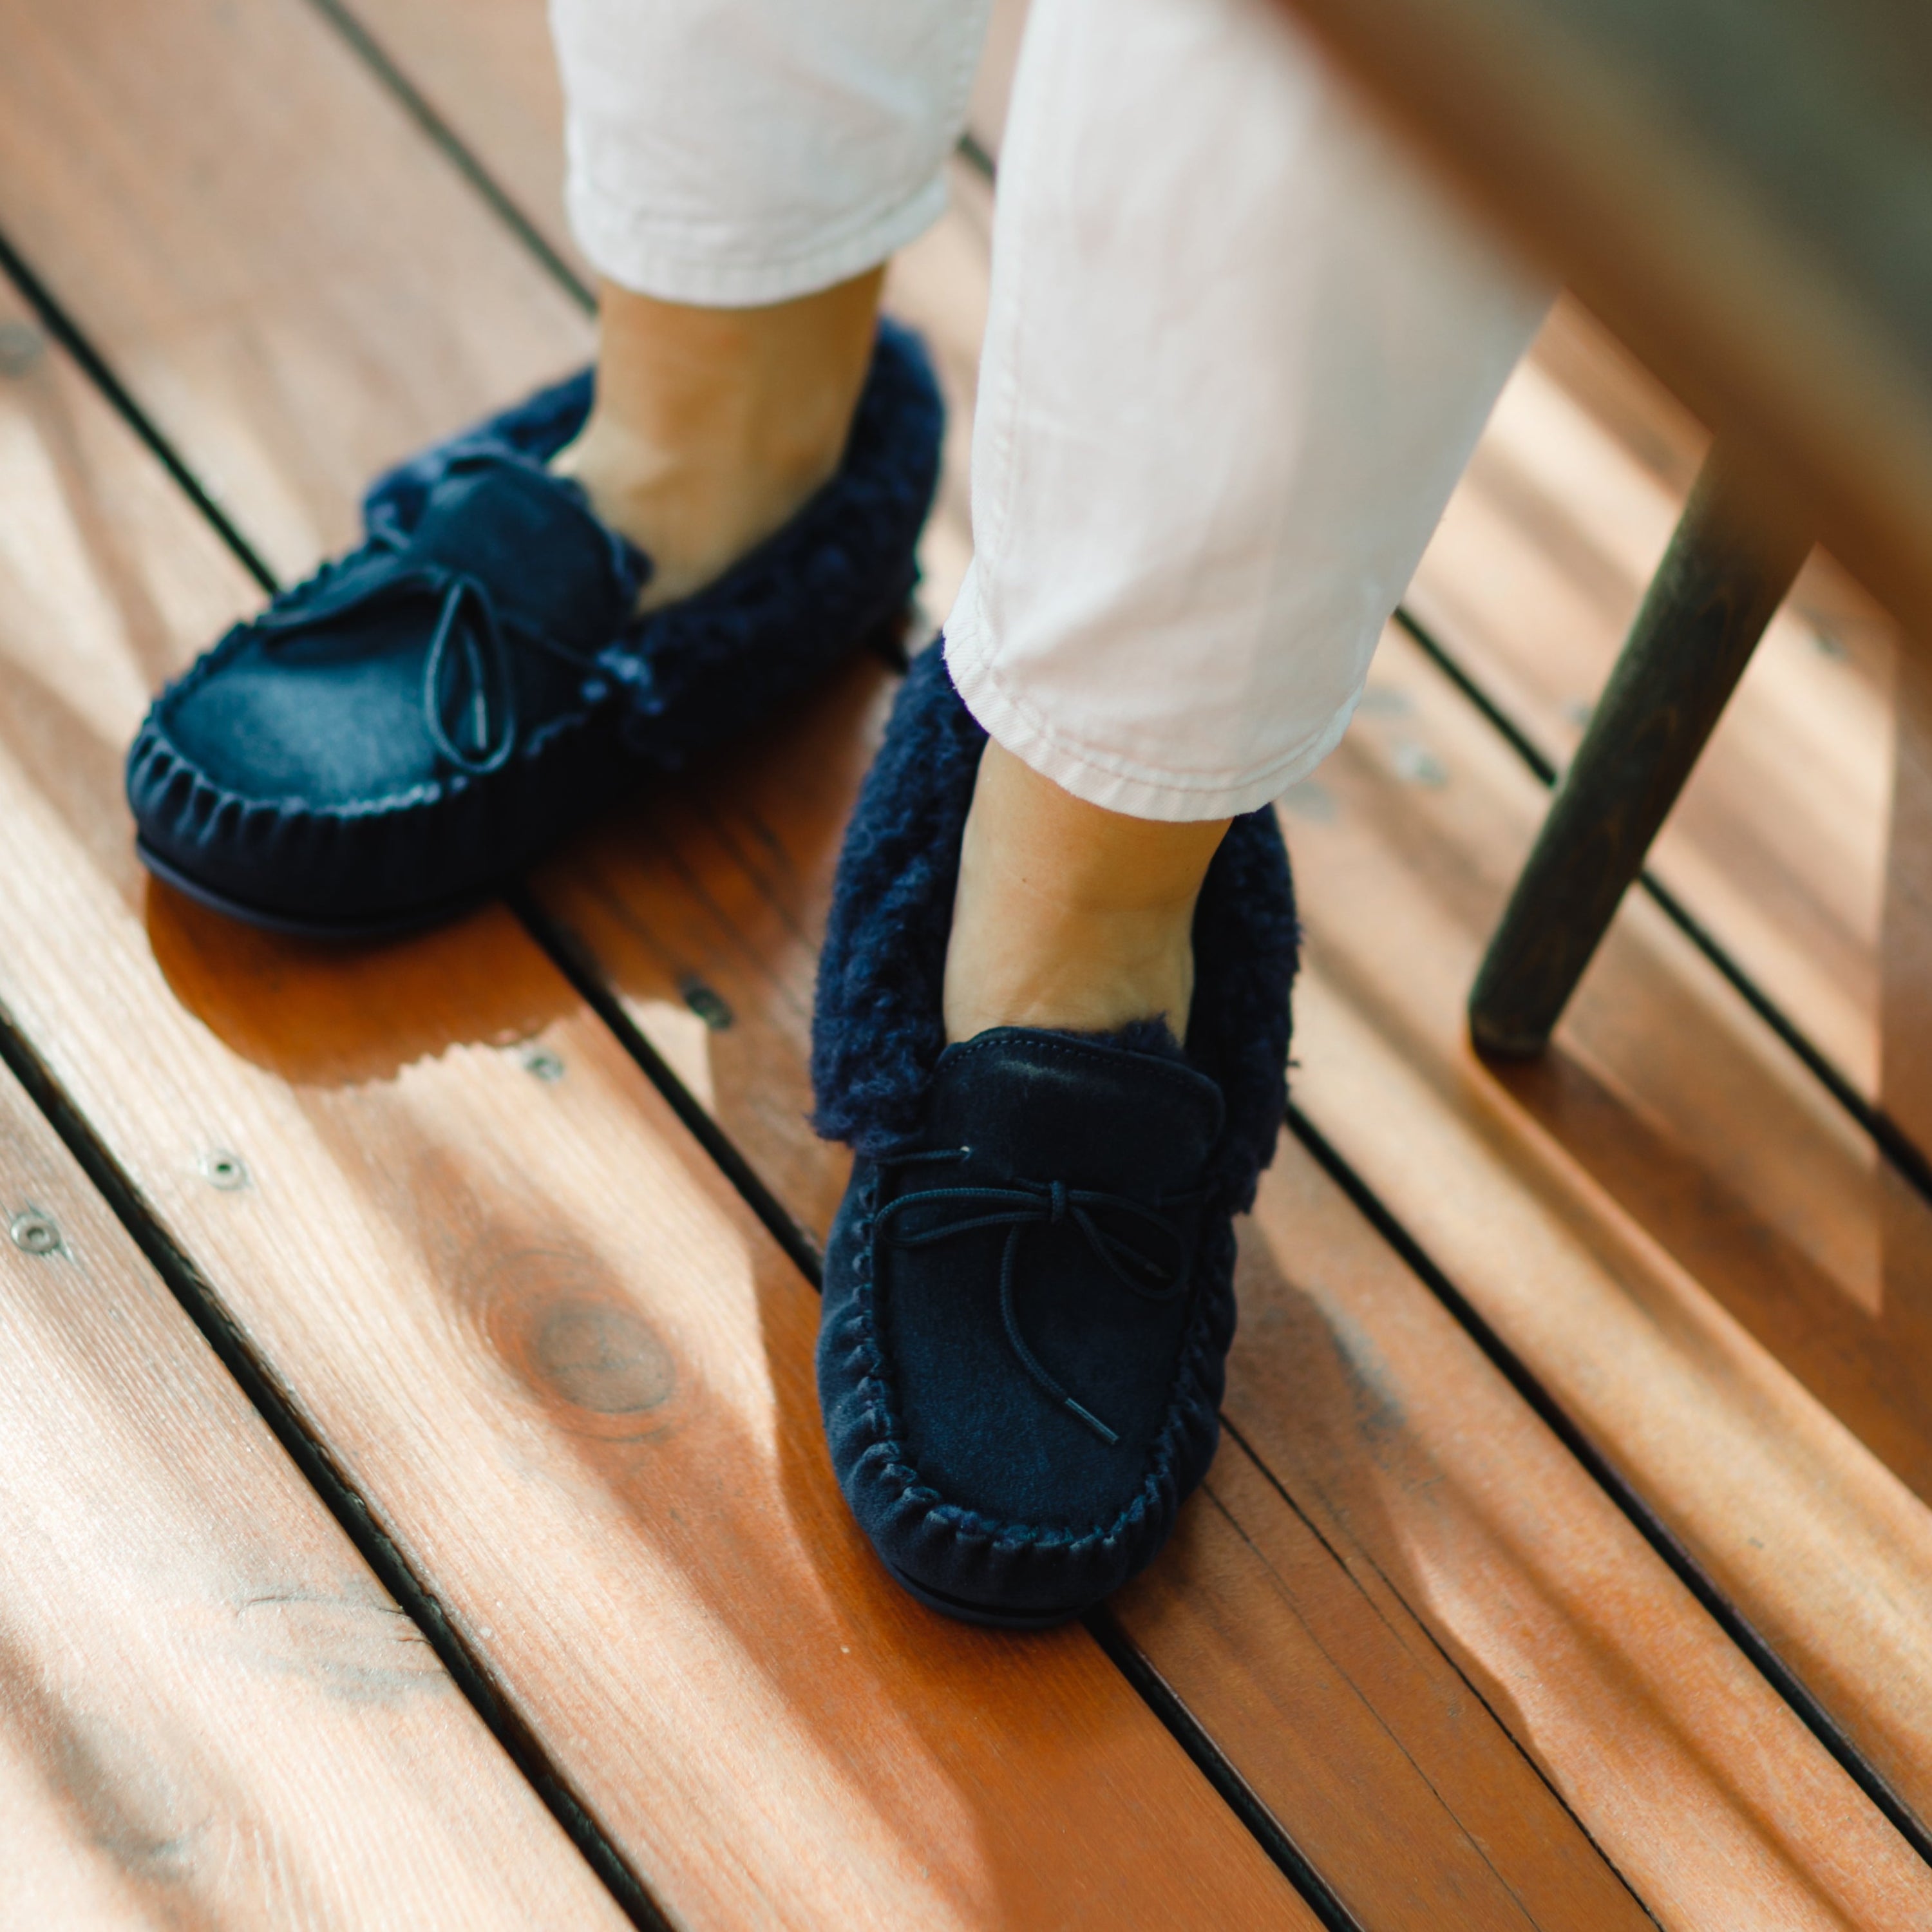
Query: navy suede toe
[
  {"x": 394, "y": 738},
  {"x": 1029, "y": 1287}
]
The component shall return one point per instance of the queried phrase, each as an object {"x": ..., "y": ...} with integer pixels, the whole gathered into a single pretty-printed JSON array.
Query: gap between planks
[{"x": 210, "y": 1704}]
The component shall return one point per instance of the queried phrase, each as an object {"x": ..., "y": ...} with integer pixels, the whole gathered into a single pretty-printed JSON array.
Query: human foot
[
  {"x": 1068, "y": 916},
  {"x": 712, "y": 426},
  {"x": 1028, "y": 1291}
]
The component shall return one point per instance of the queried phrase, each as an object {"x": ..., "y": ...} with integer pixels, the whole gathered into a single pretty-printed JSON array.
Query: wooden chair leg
[{"x": 1723, "y": 575}]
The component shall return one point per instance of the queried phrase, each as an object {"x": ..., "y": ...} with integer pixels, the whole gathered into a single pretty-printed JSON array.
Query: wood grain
[
  {"x": 569, "y": 1371},
  {"x": 1669, "y": 1221},
  {"x": 290, "y": 326},
  {"x": 1468, "y": 1531},
  {"x": 211, "y": 1713},
  {"x": 751, "y": 938},
  {"x": 1342, "y": 1714},
  {"x": 345, "y": 1043}
]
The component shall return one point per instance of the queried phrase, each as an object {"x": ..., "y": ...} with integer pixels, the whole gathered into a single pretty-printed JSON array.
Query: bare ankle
[
  {"x": 1068, "y": 915},
  {"x": 712, "y": 426}
]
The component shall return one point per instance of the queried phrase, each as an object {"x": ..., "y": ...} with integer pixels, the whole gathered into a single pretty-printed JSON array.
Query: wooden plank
[
  {"x": 1832, "y": 1822},
  {"x": 1669, "y": 1222},
  {"x": 1779, "y": 842},
  {"x": 754, "y": 844},
  {"x": 291, "y": 326},
  {"x": 569, "y": 1371},
  {"x": 1340, "y": 1713},
  {"x": 1464, "y": 1890},
  {"x": 1465, "y": 1525},
  {"x": 210, "y": 1711}
]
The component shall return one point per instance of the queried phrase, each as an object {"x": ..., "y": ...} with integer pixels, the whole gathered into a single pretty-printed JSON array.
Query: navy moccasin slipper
[
  {"x": 393, "y": 739},
  {"x": 1029, "y": 1289}
]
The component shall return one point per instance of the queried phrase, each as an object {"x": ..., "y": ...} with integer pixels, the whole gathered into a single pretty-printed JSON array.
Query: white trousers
[{"x": 1239, "y": 350}]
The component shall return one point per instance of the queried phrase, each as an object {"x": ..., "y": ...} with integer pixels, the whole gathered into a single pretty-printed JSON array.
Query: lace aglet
[{"x": 1092, "y": 1421}]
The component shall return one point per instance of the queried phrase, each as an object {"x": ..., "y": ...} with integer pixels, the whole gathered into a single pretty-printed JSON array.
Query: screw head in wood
[
  {"x": 542, "y": 1063},
  {"x": 220, "y": 1169},
  {"x": 706, "y": 1002},
  {"x": 1417, "y": 765},
  {"x": 34, "y": 1233}
]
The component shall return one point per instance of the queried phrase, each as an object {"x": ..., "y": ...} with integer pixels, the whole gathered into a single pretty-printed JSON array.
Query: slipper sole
[
  {"x": 963, "y": 1611},
  {"x": 417, "y": 918}
]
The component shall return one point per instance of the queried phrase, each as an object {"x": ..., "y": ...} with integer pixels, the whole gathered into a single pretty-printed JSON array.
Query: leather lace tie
[
  {"x": 1143, "y": 1247},
  {"x": 468, "y": 673}
]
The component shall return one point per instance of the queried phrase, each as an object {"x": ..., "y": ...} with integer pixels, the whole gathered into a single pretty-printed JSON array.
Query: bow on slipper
[
  {"x": 1116, "y": 1228},
  {"x": 469, "y": 673}
]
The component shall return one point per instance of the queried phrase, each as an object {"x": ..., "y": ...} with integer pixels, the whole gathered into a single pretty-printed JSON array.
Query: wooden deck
[{"x": 412, "y": 1506}]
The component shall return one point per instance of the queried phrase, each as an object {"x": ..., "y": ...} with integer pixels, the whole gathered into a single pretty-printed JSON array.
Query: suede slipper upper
[
  {"x": 1029, "y": 1287},
  {"x": 394, "y": 738}
]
